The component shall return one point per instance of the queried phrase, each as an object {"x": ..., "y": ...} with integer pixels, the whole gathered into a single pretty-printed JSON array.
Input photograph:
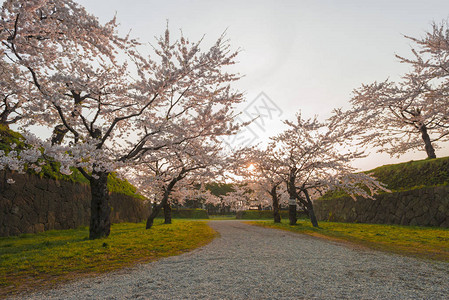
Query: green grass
[
  {"x": 32, "y": 261},
  {"x": 414, "y": 174},
  {"x": 423, "y": 242},
  {"x": 119, "y": 186}
]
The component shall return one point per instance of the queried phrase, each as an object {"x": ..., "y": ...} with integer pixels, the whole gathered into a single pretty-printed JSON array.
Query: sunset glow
[{"x": 251, "y": 167}]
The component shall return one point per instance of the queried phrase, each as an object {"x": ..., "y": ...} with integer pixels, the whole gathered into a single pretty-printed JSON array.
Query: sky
[{"x": 295, "y": 56}]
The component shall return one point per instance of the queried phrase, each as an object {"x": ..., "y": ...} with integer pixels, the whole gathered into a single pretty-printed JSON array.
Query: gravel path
[{"x": 249, "y": 262}]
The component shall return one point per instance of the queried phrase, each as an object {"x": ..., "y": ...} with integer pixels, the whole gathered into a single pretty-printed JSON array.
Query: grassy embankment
[
  {"x": 423, "y": 242},
  {"x": 408, "y": 176},
  {"x": 33, "y": 261},
  {"x": 414, "y": 174}
]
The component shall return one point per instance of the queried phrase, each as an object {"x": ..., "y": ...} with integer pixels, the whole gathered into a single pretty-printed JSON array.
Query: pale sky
[{"x": 304, "y": 55}]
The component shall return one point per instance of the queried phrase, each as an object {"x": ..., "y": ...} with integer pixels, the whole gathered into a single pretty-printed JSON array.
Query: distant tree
[
  {"x": 241, "y": 198},
  {"x": 258, "y": 169},
  {"x": 194, "y": 194},
  {"x": 197, "y": 160},
  {"x": 413, "y": 113},
  {"x": 105, "y": 115},
  {"x": 219, "y": 188},
  {"x": 311, "y": 158}
]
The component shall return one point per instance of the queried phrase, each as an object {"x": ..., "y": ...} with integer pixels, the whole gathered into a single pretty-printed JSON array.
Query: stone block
[
  {"x": 433, "y": 222},
  {"x": 39, "y": 227},
  {"x": 440, "y": 217},
  {"x": 41, "y": 184}
]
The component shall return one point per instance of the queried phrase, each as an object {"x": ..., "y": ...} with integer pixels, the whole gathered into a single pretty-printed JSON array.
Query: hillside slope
[
  {"x": 414, "y": 174},
  {"x": 407, "y": 176}
]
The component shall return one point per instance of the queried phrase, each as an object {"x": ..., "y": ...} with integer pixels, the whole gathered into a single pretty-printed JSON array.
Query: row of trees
[{"x": 305, "y": 161}]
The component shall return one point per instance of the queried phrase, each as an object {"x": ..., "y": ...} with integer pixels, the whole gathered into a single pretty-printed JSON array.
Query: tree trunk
[
  {"x": 58, "y": 135},
  {"x": 100, "y": 222},
  {"x": 292, "y": 213},
  {"x": 274, "y": 196},
  {"x": 3, "y": 123},
  {"x": 5, "y": 115},
  {"x": 310, "y": 210},
  {"x": 276, "y": 215},
  {"x": 312, "y": 216},
  {"x": 154, "y": 213},
  {"x": 427, "y": 142},
  {"x": 164, "y": 201},
  {"x": 291, "y": 188},
  {"x": 167, "y": 213}
]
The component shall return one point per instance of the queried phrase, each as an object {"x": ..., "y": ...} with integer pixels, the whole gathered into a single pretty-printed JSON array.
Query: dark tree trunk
[
  {"x": 292, "y": 213},
  {"x": 312, "y": 216},
  {"x": 100, "y": 222},
  {"x": 58, "y": 134},
  {"x": 4, "y": 123},
  {"x": 276, "y": 215},
  {"x": 164, "y": 201},
  {"x": 167, "y": 213},
  {"x": 5, "y": 115},
  {"x": 427, "y": 142},
  {"x": 291, "y": 188},
  {"x": 154, "y": 213},
  {"x": 274, "y": 196},
  {"x": 310, "y": 210}
]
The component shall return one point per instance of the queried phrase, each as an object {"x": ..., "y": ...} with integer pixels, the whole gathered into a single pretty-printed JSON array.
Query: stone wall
[
  {"x": 34, "y": 204},
  {"x": 423, "y": 207}
]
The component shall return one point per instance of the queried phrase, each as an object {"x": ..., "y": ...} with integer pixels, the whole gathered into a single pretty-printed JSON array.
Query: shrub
[{"x": 188, "y": 213}]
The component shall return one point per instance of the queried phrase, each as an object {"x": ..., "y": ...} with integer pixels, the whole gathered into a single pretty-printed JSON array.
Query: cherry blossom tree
[
  {"x": 240, "y": 198},
  {"x": 105, "y": 116},
  {"x": 219, "y": 189},
  {"x": 399, "y": 117},
  {"x": 311, "y": 159},
  {"x": 414, "y": 112},
  {"x": 55, "y": 51},
  {"x": 259, "y": 170},
  {"x": 14, "y": 90},
  {"x": 176, "y": 171},
  {"x": 431, "y": 52},
  {"x": 193, "y": 191}
]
